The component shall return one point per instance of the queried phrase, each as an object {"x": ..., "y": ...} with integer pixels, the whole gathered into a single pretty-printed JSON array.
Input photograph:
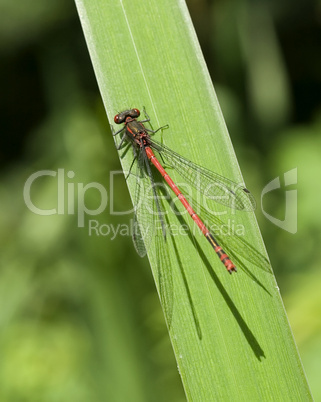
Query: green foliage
[
  {"x": 228, "y": 333},
  {"x": 80, "y": 318}
]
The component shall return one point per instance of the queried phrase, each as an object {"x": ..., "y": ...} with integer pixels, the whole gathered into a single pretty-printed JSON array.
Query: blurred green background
[{"x": 80, "y": 318}]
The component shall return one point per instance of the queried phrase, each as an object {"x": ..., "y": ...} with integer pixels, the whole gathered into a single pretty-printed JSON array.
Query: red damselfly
[{"x": 212, "y": 185}]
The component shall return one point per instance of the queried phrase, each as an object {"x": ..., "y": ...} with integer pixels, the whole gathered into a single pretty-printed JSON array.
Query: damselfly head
[
  {"x": 134, "y": 113},
  {"x": 122, "y": 117},
  {"x": 118, "y": 119}
]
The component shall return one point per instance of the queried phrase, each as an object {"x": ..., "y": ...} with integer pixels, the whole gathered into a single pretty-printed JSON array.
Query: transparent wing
[
  {"x": 210, "y": 184},
  {"x": 231, "y": 242},
  {"x": 147, "y": 225},
  {"x": 164, "y": 276},
  {"x": 143, "y": 230}
]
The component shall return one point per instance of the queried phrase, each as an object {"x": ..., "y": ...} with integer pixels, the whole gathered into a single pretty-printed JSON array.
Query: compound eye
[
  {"x": 116, "y": 119},
  {"x": 137, "y": 112}
]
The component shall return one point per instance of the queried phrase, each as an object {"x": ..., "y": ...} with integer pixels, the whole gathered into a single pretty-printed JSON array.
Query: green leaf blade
[{"x": 231, "y": 337}]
